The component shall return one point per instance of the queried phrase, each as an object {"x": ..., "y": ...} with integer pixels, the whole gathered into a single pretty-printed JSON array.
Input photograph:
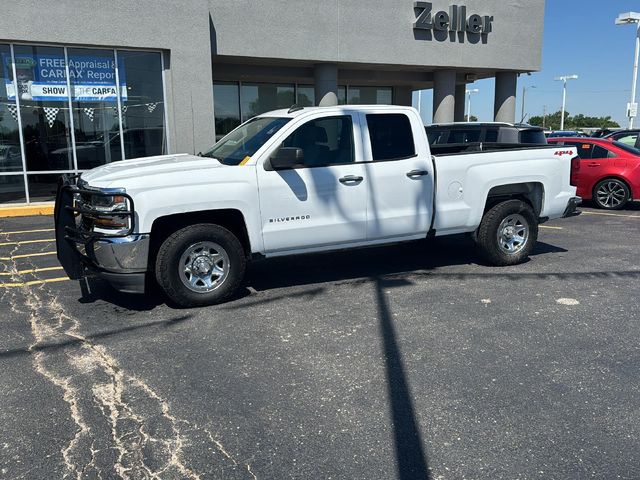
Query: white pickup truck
[{"x": 299, "y": 181}]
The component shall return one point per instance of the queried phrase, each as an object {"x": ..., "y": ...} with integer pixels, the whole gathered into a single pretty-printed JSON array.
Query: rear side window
[
  {"x": 601, "y": 152},
  {"x": 491, "y": 135},
  {"x": 464, "y": 136},
  {"x": 585, "y": 150},
  {"x": 436, "y": 137},
  {"x": 391, "y": 136},
  {"x": 535, "y": 137}
]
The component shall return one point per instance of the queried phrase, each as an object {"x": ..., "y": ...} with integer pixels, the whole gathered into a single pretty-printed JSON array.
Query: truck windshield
[{"x": 245, "y": 140}]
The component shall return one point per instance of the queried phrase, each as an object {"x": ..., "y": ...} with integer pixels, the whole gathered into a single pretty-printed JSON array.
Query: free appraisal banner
[{"x": 42, "y": 77}]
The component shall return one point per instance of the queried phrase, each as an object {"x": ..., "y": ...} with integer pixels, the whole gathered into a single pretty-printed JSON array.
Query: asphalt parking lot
[{"x": 410, "y": 361}]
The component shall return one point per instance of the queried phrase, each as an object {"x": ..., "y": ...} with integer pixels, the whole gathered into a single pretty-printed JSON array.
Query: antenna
[{"x": 294, "y": 108}]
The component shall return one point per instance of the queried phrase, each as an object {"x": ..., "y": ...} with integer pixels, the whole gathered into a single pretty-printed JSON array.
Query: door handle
[
  {"x": 593, "y": 164},
  {"x": 417, "y": 173},
  {"x": 351, "y": 179}
]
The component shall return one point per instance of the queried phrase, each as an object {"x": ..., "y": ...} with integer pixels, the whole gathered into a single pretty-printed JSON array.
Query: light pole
[
  {"x": 524, "y": 93},
  {"x": 469, "y": 92},
  {"x": 626, "y": 19},
  {"x": 564, "y": 80}
]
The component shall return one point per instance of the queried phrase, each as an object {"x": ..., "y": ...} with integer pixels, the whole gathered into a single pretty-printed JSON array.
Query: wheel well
[
  {"x": 530, "y": 192},
  {"x": 232, "y": 220}
]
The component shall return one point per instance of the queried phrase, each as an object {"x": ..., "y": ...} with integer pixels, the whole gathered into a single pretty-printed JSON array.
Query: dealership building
[{"x": 84, "y": 83}]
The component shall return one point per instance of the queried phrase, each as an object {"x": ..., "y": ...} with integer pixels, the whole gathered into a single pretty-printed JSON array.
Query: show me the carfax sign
[
  {"x": 43, "y": 77},
  {"x": 455, "y": 20}
]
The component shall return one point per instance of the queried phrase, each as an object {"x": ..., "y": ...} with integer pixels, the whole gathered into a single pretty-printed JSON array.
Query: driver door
[{"x": 322, "y": 202}]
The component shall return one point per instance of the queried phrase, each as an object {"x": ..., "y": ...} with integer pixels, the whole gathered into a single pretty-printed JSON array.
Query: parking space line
[
  {"x": 33, "y": 270},
  {"x": 34, "y": 282},
  {"x": 610, "y": 214},
  {"x": 20, "y": 232},
  {"x": 550, "y": 227},
  {"x": 27, "y": 242},
  {"x": 28, "y": 255}
]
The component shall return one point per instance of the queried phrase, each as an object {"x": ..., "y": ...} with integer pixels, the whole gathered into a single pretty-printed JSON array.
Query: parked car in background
[
  {"x": 481, "y": 132},
  {"x": 10, "y": 158},
  {"x": 628, "y": 137},
  {"x": 609, "y": 171},
  {"x": 565, "y": 133},
  {"x": 603, "y": 132}
]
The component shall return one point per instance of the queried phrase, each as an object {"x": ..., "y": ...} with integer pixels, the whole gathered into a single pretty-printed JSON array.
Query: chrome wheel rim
[
  {"x": 203, "y": 267},
  {"x": 513, "y": 234},
  {"x": 611, "y": 194}
]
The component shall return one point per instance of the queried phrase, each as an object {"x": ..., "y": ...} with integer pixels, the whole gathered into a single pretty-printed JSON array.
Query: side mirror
[{"x": 287, "y": 157}]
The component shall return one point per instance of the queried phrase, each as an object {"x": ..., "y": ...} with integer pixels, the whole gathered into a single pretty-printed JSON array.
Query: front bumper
[
  {"x": 572, "y": 207},
  {"x": 122, "y": 260}
]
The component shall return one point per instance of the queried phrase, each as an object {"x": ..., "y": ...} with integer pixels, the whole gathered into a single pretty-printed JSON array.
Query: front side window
[
  {"x": 628, "y": 139},
  {"x": 243, "y": 142},
  {"x": 391, "y": 136},
  {"x": 325, "y": 141}
]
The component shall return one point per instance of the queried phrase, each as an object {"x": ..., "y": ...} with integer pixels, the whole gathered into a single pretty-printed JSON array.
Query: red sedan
[{"x": 609, "y": 172}]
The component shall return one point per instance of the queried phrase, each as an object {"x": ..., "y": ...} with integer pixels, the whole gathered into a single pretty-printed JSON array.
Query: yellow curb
[{"x": 26, "y": 210}]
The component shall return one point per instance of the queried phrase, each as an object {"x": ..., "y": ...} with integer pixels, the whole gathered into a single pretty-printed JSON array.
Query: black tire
[
  {"x": 170, "y": 255},
  {"x": 617, "y": 197},
  {"x": 492, "y": 247}
]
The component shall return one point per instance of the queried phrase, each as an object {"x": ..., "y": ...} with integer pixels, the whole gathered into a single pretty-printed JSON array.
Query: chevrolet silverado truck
[{"x": 299, "y": 181}]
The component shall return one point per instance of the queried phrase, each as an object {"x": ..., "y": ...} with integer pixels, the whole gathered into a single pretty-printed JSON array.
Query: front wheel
[
  {"x": 611, "y": 194},
  {"x": 200, "y": 265},
  {"x": 507, "y": 233}
]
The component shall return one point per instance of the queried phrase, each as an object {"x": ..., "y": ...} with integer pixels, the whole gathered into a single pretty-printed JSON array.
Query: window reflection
[
  {"x": 257, "y": 98},
  {"x": 226, "y": 98},
  {"x": 143, "y": 103},
  {"x": 370, "y": 96},
  {"x": 10, "y": 154},
  {"x": 94, "y": 106},
  {"x": 44, "y": 108}
]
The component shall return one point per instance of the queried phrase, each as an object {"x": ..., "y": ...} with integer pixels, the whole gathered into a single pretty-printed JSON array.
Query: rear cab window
[{"x": 391, "y": 136}]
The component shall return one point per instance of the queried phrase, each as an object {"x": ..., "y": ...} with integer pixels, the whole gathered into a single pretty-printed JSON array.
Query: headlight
[{"x": 110, "y": 205}]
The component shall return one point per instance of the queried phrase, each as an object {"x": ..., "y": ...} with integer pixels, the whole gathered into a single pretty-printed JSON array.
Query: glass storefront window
[
  {"x": 370, "y": 95},
  {"x": 143, "y": 103},
  {"x": 257, "y": 98},
  {"x": 10, "y": 154},
  {"x": 306, "y": 96},
  {"x": 94, "y": 106},
  {"x": 12, "y": 189},
  {"x": 226, "y": 107},
  {"x": 63, "y": 97},
  {"x": 44, "y": 108},
  {"x": 42, "y": 187}
]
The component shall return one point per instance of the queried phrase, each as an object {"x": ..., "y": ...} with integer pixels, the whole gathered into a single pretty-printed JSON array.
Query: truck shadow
[
  {"x": 423, "y": 255},
  {"x": 331, "y": 267}
]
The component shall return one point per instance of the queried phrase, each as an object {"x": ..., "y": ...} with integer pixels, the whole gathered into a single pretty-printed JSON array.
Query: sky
[{"x": 581, "y": 38}]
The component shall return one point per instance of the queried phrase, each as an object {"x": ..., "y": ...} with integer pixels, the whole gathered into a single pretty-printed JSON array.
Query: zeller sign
[{"x": 455, "y": 20}]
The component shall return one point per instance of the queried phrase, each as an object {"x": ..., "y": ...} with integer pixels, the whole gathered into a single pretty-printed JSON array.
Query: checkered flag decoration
[
  {"x": 89, "y": 113},
  {"x": 152, "y": 106},
  {"x": 115, "y": 109},
  {"x": 51, "y": 113},
  {"x": 13, "y": 110}
]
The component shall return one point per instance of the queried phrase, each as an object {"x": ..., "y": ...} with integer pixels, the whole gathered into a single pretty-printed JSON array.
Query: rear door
[
  {"x": 400, "y": 174},
  {"x": 322, "y": 203}
]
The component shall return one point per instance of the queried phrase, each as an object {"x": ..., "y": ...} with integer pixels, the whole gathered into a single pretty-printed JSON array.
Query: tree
[
  {"x": 473, "y": 118},
  {"x": 552, "y": 121}
]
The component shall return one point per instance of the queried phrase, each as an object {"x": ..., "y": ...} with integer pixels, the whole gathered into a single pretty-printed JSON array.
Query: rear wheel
[
  {"x": 611, "y": 194},
  {"x": 200, "y": 265},
  {"x": 507, "y": 233}
]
